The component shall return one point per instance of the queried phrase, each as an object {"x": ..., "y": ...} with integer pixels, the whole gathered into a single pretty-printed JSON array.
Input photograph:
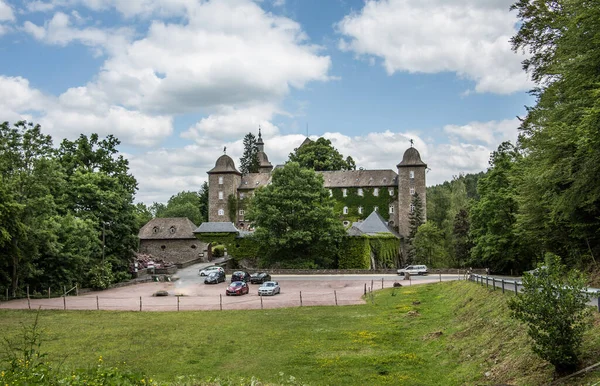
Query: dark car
[
  {"x": 237, "y": 288},
  {"x": 240, "y": 276},
  {"x": 260, "y": 277},
  {"x": 215, "y": 277}
]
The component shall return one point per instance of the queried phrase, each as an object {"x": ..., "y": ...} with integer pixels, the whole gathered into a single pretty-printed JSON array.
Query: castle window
[
  {"x": 155, "y": 230},
  {"x": 242, "y": 195},
  {"x": 391, "y": 223},
  {"x": 412, "y": 191},
  {"x": 163, "y": 247},
  {"x": 360, "y": 191},
  {"x": 220, "y": 180},
  {"x": 172, "y": 229},
  {"x": 360, "y": 209},
  {"x": 330, "y": 193},
  {"x": 375, "y": 209},
  {"x": 412, "y": 208},
  {"x": 221, "y": 212},
  {"x": 241, "y": 212},
  {"x": 391, "y": 191},
  {"x": 344, "y": 192},
  {"x": 376, "y": 192},
  {"x": 411, "y": 174},
  {"x": 220, "y": 195},
  {"x": 345, "y": 210},
  {"x": 346, "y": 223},
  {"x": 193, "y": 246},
  {"x": 391, "y": 208}
]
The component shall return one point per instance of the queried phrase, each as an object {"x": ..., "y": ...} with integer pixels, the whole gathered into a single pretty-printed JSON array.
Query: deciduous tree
[{"x": 320, "y": 155}]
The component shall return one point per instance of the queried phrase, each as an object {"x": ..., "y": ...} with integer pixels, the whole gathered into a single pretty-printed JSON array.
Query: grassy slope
[{"x": 460, "y": 333}]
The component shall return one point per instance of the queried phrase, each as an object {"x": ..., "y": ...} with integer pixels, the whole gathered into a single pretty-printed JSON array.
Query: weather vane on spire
[
  {"x": 411, "y": 142},
  {"x": 224, "y": 149},
  {"x": 259, "y": 130}
]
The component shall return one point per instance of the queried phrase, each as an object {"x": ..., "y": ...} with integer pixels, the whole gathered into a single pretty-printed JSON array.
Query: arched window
[
  {"x": 345, "y": 210},
  {"x": 155, "y": 230},
  {"x": 172, "y": 229}
]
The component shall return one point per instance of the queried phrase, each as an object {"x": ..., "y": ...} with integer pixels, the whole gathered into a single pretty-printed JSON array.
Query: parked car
[
  {"x": 237, "y": 288},
  {"x": 215, "y": 277},
  {"x": 240, "y": 276},
  {"x": 414, "y": 270},
  {"x": 206, "y": 271},
  {"x": 260, "y": 277},
  {"x": 269, "y": 288}
]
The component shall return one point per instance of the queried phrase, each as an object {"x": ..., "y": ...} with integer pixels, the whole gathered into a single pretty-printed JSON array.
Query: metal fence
[{"x": 516, "y": 286}]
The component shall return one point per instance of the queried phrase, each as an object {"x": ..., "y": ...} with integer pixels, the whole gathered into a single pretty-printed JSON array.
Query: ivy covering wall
[
  {"x": 237, "y": 247},
  {"x": 357, "y": 250},
  {"x": 368, "y": 201}
]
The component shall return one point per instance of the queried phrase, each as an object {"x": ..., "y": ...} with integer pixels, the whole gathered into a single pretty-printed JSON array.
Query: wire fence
[{"x": 515, "y": 286}]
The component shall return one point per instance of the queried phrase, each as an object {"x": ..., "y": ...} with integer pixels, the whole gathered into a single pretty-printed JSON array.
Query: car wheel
[
  {"x": 401, "y": 274},
  {"x": 202, "y": 274}
]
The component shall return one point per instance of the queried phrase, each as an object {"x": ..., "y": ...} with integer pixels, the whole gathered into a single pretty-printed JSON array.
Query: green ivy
[
  {"x": 355, "y": 253},
  {"x": 385, "y": 248},
  {"x": 232, "y": 204},
  {"x": 368, "y": 201},
  {"x": 237, "y": 247}
]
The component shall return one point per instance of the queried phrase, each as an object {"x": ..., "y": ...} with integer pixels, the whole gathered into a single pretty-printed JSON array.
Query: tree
[
  {"x": 553, "y": 307},
  {"x": 461, "y": 239},
  {"x": 249, "y": 162},
  {"x": 320, "y": 155},
  {"x": 203, "y": 193},
  {"x": 416, "y": 218},
  {"x": 294, "y": 219},
  {"x": 560, "y": 198},
  {"x": 428, "y": 246}
]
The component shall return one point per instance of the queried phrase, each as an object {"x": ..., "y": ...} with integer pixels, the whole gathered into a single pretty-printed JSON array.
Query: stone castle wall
[
  {"x": 178, "y": 251},
  {"x": 405, "y": 183},
  {"x": 231, "y": 181}
]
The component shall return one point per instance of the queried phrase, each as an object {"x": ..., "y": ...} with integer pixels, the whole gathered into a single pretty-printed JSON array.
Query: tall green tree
[
  {"x": 294, "y": 219},
  {"x": 561, "y": 192},
  {"x": 428, "y": 246},
  {"x": 416, "y": 218},
  {"x": 249, "y": 162},
  {"x": 320, "y": 155},
  {"x": 461, "y": 239},
  {"x": 203, "y": 193}
]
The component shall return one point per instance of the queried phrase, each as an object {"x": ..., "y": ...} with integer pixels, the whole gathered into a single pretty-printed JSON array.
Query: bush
[
  {"x": 218, "y": 251},
  {"x": 553, "y": 306},
  {"x": 101, "y": 276}
]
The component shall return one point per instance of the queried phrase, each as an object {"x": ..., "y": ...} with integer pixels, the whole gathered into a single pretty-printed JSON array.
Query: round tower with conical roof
[
  {"x": 411, "y": 180},
  {"x": 223, "y": 181}
]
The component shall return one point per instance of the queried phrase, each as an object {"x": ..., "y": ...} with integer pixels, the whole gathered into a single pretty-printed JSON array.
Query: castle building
[{"x": 357, "y": 193}]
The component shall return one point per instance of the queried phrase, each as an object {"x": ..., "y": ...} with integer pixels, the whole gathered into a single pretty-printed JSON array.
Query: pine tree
[
  {"x": 249, "y": 162},
  {"x": 416, "y": 219}
]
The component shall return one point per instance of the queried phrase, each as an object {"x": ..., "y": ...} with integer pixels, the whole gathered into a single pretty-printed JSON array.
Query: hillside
[{"x": 446, "y": 333}]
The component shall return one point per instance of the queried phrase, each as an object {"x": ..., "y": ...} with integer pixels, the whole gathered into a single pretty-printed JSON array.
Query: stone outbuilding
[{"x": 172, "y": 239}]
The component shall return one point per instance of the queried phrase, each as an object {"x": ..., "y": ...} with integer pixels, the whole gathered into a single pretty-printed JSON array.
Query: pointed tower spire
[{"x": 259, "y": 143}]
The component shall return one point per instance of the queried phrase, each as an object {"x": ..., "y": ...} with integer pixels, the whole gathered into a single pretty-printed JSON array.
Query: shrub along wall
[
  {"x": 237, "y": 247},
  {"x": 355, "y": 253}
]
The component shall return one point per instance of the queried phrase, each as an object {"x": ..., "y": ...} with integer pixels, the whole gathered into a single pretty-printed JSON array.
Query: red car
[{"x": 237, "y": 288}]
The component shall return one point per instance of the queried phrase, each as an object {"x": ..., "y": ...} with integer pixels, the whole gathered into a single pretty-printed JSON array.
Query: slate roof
[
  {"x": 263, "y": 160},
  {"x": 374, "y": 224},
  {"x": 359, "y": 178},
  {"x": 411, "y": 158},
  {"x": 217, "y": 227},
  {"x": 168, "y": 229},
  {"x": 224, "y": 164},
  {"x": 254, "y": 180}
]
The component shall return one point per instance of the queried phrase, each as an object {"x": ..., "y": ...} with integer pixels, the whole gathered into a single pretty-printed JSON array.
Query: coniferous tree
[
  {"x": 249, "y": 162},
  {"x": 416, "y": 219}
]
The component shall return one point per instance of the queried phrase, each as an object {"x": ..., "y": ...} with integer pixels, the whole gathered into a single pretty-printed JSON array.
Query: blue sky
[{"x": 177, "y": 80}]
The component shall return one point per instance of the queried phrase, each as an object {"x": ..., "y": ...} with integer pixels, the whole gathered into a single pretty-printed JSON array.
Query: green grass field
[{"x": 456, "y": 335}]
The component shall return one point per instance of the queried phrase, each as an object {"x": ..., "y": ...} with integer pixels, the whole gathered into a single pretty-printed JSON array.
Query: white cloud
[
  {"x": 6, "y": 12},
  {"x": 467, "y": 37},
  {"x": 488, "y": 132}
]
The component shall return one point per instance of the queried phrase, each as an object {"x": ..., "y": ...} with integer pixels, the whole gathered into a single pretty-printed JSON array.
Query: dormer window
[
  {"x": 155, "y": 230},
  {"x": 220, "y": 180},
  {"x": 376, "y": 192},
  {"x": 172, "y": 230},
  {"x": 360, "y": 192}
]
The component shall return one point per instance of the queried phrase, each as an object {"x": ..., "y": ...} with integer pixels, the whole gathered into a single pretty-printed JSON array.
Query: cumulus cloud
[
  {"x": 6, "y": 12},
  {"x": 488, "y": 132},
  {"x": 467, "y": 37}
]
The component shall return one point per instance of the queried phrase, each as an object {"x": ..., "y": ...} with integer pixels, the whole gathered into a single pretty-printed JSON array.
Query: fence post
[
  {"x": 48, "y": 292},
  {"x": 97, "y": 303},
  {"x": 493, "y": 283},
  {"x": 516, "y": 289},
  {"x": 440, "y": 277},
  {"x": 381, "y": 283},
  {"x": 28, "y": 303},
  {"x": 221, "y": 302},
  {"x": 177, "y": 302},
  {"x": 371, "y": 285},
  {"x": 459, "y": 274},
  {"x": 502, "y": 285},
  {"x": 140, "y": 304},
  {"x": 300, "y": 298},
  {"x": 261, "y": 302},
  {"x": 487, "y": 281},
  {"x": 365, "y": 291},
  {"x": 335, "y": 295}
]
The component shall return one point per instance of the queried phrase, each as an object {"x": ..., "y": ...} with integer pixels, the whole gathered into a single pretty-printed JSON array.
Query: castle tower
[
  {"x": 264, "y": 166},
  {"x": 223, "y": 181},
  {"x": 411, "y": 180}
]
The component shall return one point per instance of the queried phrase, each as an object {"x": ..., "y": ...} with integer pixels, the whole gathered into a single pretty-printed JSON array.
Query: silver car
[{"x": 269, "y": 288}]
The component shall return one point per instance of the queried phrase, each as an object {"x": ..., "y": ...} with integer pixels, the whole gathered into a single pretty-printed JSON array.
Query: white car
[
  {"x": 208, "y": 270},
  {"x": 269, "y": 288},
  {"x": 414, "y": 270}
]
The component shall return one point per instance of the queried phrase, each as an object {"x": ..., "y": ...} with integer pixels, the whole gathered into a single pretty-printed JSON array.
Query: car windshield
[
  {"x": 269, "y": 284},
  {"x": 213, "y": 274},
  {"x": 237, "y": 284}
]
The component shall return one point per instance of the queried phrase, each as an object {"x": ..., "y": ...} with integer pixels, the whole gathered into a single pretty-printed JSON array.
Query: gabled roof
[
  {"x": 217, "y": 227},
  {"x": 167, "y": 228},
  {"x": 359, "y": 178},
  {"x": 254, "y": 180},
  {"x": 374, "y": 224}
]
